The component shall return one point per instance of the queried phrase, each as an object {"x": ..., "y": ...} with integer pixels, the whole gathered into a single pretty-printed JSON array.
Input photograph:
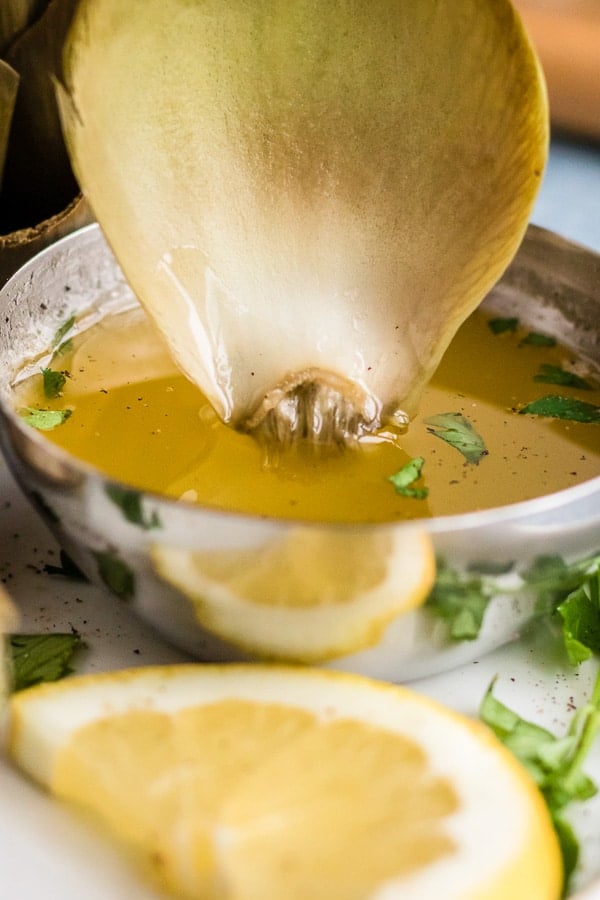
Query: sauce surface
[{"x": 134, "y": 416}]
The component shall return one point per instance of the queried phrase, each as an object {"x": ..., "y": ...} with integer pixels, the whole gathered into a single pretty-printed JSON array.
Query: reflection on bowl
[{"x": 122, "y": 537}]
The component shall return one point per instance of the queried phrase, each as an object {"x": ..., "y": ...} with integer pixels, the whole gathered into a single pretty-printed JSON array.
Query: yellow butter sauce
[{"x": 135, "y": 417}]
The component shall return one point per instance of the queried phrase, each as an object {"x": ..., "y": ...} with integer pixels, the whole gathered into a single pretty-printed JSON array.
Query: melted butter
[{"x": 139, "y": 420}]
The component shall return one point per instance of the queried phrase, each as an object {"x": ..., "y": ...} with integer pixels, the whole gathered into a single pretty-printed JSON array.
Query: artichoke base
[{"x": 314, "y": 407}]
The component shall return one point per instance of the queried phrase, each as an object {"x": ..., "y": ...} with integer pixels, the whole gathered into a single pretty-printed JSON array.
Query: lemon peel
[
  {"x": 310, "y": 595},
  {"x": 263, "y": 782}
]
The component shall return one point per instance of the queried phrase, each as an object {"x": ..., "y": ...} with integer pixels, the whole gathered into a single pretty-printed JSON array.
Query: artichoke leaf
[
  {"x": 16, "y": 16},
  {"x": 9, "y": 84},
  {"x": 307, "y": 194},
  {"x": 38, "y": 180}
]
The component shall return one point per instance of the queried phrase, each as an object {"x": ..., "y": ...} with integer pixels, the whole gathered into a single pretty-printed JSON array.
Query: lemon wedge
[
  {"x": 313, "y": 594},
  {"x": 262, "y": 783}
]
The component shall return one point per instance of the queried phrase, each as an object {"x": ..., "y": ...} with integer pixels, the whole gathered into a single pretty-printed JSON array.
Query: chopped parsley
[
  {"x": 456, "y": 430},
  {"x": 556, "y": 407},
  {"x": 535, "y": 339},
  {"x": 549, "y": 374},
  {"x": 503, "y": 325},
  {"x": 45, "y": 419},
  {"x": 53, "y": 382},
  {"x": 555, "y": 764},
  {"x": 116, "y": 575},
  {"x": 57, "y": 341},
  {"x": 42, "y": 657},
  {"x": 461, "y": 600},
  {"x": 130, "y": 502},
  {"x": 405, "y": 477}
]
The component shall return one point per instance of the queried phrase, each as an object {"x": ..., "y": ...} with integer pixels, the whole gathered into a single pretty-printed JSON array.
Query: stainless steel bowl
[{"x": 552, "y": 286}]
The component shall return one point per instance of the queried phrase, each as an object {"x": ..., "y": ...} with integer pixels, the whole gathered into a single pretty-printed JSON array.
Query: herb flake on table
[
  {"x": 42, "y": 657},
  {"x": 554, "y": 763},
  {"x": 457, "y": 430},
  {"x": 557, "y": 407},
  {"x": 549, "y": 374},
  {"x": 44, "y": 419},
  {"x": 403, "y": 480}
]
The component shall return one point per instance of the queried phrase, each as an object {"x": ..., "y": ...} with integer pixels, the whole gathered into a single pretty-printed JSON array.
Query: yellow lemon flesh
[
  {"x": 308, "y": 198},
  {"x": 263, "y": 783},
  {"x": 311, "y": 595}
]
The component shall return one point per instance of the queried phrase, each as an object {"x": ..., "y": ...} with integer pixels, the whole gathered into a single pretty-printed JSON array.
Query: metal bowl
[{"x": 552, "y": 286}]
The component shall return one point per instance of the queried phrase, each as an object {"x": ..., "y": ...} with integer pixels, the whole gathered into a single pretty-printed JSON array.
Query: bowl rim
[{"x": 453, "y": 522}]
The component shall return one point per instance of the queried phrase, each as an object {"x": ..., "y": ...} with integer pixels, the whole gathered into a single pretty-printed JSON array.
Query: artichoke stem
[{"x": 314, "y": 407}]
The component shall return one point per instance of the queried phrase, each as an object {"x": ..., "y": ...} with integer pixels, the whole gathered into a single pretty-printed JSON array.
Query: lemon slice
[
  {"x": 263, "y": 783},
  {"x": 311, "y": 595}
]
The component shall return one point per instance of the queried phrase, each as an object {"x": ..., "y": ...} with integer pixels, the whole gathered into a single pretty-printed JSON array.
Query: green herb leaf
[
  {"x": 503, "y": 325},
  {"x": 535, "y": 339},
  {"x": 53, "y": 382},
  {"x": 63, "y": 348},
  {"x": 549, "y": 374},
  {"x": 42, "y": 657},
  {"x": 406, "y": 476},
  {"x": 461, "y": 600},
  {"x": 45, "y": 419},
  {"x": 580, "y": 615},
  {"x": 130, "y": 503},
  {"x": 62, "y": 331},
  {"x": 116, "y": 575},
  {"x": 554, "y": 763},
  {"x": 456, "y": 430},
  {"x": 557, "y": 407}
]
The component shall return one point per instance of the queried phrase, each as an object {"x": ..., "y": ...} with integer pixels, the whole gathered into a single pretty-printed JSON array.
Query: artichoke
[{"x": 308, "y": 198}]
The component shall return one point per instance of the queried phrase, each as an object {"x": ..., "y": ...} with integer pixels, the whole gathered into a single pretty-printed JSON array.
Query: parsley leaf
[
  {"x": 535, "y": 339},
  {"x": 461, "y": 600},
  {"x": 53, "y": 382},
  {"x": 456, "y": 430},
  {"x": 42, "y": 657},
  {"x": 569, "y": 408},
  {"x": 130, "y": 502},
  {"x": 502, "y": 325},
  {"x": 62, "y": 331},
  {"x": 580, "y": 615},
  {"x": 549, "y": 374},
  {"x": 406, "y": 476},
  {"x": 116, "y": 575},
  {"x": 554, "y": 763},
  {"x": 45, "y": 419}
]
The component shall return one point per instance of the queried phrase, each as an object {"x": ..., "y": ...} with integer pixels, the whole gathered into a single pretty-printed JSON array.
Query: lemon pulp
[
  {"x": 139, "y": 420},
  {"x": 256, "y": 783}
]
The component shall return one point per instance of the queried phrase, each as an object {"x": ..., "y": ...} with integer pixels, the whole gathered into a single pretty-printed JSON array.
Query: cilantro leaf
[
  {"x": 53, "y": 382},
  {"x": 461, "y": 600},
  {"x": 549, "y": 374},
  {"x": 62, "y": 331},
  {"x": 42, "y": 657},
  {"x": 535, "y": 339},
  {"x": 557, "y": 407},
  {"x": 580, "y": 615},
  {"x": 130, "y": 502},
  {"x": 406, "y": 476},
  {"x": 456, "y": 430},
  {"x": 554, "y": 763},
  {"x": 502, "y": 325},
  {"x": 45, "y": 419}
]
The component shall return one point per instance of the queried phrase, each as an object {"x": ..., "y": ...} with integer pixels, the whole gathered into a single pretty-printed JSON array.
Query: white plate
[{"x": 45, "y": 851}]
